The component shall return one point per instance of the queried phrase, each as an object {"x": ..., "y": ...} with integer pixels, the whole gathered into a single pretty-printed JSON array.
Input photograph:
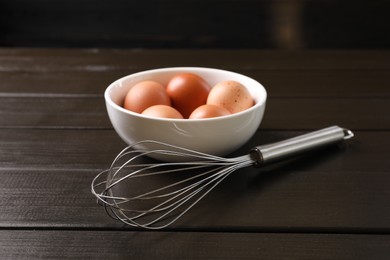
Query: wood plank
[
  {"x": 57, "y": 148},
  {"x": 50, "y": 199},
  {"x": 324, "y": 83},
  {"x": 287, "y": 74},
  {"x": 312, "y": 113},
  {"x": 189, "y": 245},
  {"x": 46, "y": 59},
  {"x": 54, "y": 112},
  {"x": 277, "y": 200},
  {"x": 281, "y": 113},
  {"x": 62, "y": 84},
  {"x": 83, "y": 149},
  {"x": 47, "y": 175},
  {"x": 279, "y": 83}
]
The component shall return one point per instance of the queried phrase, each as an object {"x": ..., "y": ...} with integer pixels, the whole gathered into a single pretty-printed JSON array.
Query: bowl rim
[{"x": 109, "y": 101}]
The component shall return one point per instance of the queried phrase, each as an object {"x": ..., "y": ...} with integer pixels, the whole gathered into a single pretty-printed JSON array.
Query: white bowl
[{"x": 217, "y": 136}]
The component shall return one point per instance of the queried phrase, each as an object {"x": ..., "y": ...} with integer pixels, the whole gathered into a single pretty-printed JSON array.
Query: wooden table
[{"x": 55, "y": 136}]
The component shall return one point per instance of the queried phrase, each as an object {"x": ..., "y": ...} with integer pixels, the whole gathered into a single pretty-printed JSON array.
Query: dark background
[{"x": 294, "y": 24}]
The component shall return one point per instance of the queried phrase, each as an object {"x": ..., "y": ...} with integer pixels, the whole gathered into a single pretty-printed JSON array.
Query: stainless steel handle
[{"x": 274, "y": 152}]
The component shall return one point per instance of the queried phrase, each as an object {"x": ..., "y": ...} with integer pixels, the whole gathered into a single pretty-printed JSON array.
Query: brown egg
[
  {"x": 208, "y": 111},
  {"x": 187, "y": 92},
  {"x": 230, "y": 95},
  {"x": 146, "y": 94},
  {"x": 162, "y": 111}
]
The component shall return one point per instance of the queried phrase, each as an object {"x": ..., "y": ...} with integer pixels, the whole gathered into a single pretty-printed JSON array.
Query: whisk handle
[{"x": 274, "y": 152}]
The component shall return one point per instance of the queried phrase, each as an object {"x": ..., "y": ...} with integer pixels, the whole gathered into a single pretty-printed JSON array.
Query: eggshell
[
  {"x": 187, "y": 92},
  {"x": 146, "y": 94},
  {"x": 230, "y": 95},
  {"x": 162, "y": 111},
  {"x": 208, "y": 111}
]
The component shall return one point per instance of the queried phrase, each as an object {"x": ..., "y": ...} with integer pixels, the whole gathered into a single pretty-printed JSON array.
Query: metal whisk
[{"x": 173, "y": 188}]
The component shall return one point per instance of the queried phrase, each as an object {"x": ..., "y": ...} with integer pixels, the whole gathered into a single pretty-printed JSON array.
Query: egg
[
  {"x": 187, "y": 92},
  {"x": 208, "y": 111},
  {"x": 231, "y": 95},
  {"x": 146, "y": 94},
  {"x": 162, "y": 111}
]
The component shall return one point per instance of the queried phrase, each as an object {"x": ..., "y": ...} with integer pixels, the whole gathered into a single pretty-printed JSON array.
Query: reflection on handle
[{"x": 277, "y": 151}]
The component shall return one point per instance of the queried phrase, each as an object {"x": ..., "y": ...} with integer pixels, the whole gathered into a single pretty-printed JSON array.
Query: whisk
[{"x": 146, "y": 193}]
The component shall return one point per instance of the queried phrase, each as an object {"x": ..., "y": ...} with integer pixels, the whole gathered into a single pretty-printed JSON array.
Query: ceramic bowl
[{"x": 217, "y": 136}]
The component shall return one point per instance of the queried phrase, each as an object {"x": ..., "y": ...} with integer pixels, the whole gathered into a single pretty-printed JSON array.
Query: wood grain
[
  {"x": 281, "y": 113},
  {"x": 62, "y": 149},
  {"x": 54, "y": 244},
  {"x": 321, "y": 192},
  {"x": 64, "y": 73},
  {"x": 283, "y": 83},
  {"x": 286, "y": 198},
  {"x": 55, "y": 136},
  {"x": 57, "y": 59}
]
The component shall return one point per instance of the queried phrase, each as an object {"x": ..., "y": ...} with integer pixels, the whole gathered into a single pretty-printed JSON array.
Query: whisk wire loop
[
  {"x": 173, "y": 188},
  {"x": 179, "y": 196},
  {"x": 205, "y": 185}
]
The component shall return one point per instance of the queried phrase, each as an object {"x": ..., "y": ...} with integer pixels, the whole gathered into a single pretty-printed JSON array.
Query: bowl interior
[{"x": 116, "y": 92}]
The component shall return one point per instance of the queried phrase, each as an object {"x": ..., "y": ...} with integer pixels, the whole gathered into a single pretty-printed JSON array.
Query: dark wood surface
[{"x": 55, "y": 136}]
